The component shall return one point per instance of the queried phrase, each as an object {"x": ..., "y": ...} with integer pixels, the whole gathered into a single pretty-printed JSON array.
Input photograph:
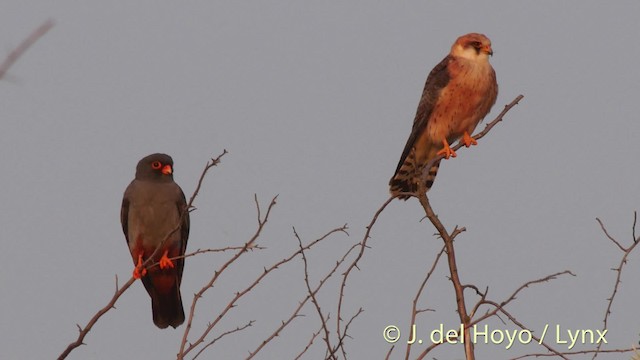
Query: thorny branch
[
  {"x": 534, "y": 337},
  {"x": 618, "y": 270},
  {"x": 313, "y": 337},
  {"x": 362, "y": 245},
  {"x": 224, "y": 249},
  {"x": 414, "y": 308},
  {"x": 453, "y": 270},
  {"x": 84, "y": 331},
  {"x": 500, "y": 306},
  {"x": 312, "y": 293},
  {"x": 239, "y": 328},
  {"x": 314, "y": 301},
  {"x": 581, "y": 352},
  {"x": 249, "y": 244}
]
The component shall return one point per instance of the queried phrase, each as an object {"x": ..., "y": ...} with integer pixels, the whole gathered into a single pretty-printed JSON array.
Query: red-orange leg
[
  {"x": 139, "y": 271},
  {"x": 165, "y": 262},
  {"x": 447, "y": 151},
  {"x": 468, "y": 140}
]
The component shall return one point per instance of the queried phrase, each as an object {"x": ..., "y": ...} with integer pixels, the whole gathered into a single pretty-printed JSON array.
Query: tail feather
[
  {"x": 166, "y": 302},
  {"x": 408, "y": 175},
  {"x": 167, "y": 309}
]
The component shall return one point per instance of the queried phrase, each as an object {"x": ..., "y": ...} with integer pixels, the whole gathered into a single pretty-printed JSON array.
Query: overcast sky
[{"x": 314, "y": 101}]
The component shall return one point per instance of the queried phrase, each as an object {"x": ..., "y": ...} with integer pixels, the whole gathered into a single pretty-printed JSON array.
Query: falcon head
[
  {"x": 472, "y": 46},
  {"x": 155, "y": 167}
]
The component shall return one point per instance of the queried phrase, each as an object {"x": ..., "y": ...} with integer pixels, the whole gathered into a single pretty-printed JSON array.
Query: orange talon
[
  {"x": 165, "y": 262},
  {"x": 447, "y": 151},
  {"x": 468, "y": 140},
  {"x": 139, "y": 271}
]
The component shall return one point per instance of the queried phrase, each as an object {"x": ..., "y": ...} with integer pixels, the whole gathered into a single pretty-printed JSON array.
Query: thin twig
[
  {"x": 228, "y": 248},
  {"x": 314, "y": 300},
  {"x": 581, "y": 352},
  {"x": 514, "y": 295},
  {"x": 618, "y": 270},
  {"x": 313, "y": 337},
  {"x": 345, "y": 333},
  {"x": 453, "y": 271},
  {"x": 534, "y": 337},
  {"x": 84, "y": 331},
  {"x": 24, "y": 46},
  {"x": 389, "y": 353},
  {"x": 609, "y": 236},
  {"x": 261, "y": 223},
  {"x": 362, "y": 245},
  {"x": 296, "y": 311},
  {"x": 239, "y": 328},
  {"x": 414, "y": 308}
]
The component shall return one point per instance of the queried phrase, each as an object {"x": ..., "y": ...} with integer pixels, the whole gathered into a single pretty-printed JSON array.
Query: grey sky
[{"x": 314, "y": 101}]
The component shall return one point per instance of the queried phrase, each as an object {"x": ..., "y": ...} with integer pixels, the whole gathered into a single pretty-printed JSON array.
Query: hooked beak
[
  {"x": 487, "y": 49},
  {"x": 167, "y": 170}
]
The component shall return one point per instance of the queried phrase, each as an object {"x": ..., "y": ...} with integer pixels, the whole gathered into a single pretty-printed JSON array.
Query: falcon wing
[
  {"x": 437, "y": 80},
  {"x": 181, "y": 204},
  {"x": 124, "y": 216}
]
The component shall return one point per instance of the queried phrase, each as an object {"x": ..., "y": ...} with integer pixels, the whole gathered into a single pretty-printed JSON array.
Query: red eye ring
[{"x": 156, "y": 165}]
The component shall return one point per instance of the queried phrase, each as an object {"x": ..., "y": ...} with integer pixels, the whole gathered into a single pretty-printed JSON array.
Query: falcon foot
[
  {"x": 468, "y": 140},
  {"x": 139, "y": 271},
  {"x": 447, "y": 151},
  {"x": 165, "y": 262}
]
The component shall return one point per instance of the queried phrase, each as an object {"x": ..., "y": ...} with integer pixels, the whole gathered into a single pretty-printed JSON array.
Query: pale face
[{"x": 475, "y": 47}]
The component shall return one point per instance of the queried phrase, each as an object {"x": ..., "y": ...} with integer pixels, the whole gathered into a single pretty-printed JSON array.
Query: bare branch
[
  {"x": 24, "y": 46},
  {"x": 515, "y": 293},
  {"x": 84, "y": 331},
  {"x": 633, "y": 228},
  {"x": 414, "y": 308},
  {"x": 212, "y": 163},
  {"x": 362, "y": 245},
  {"x": 428, "y": 349},
  {"x": 618, "y": 270},
  {"x": 239, "y": 328},
  {"x": 500, "y": 307},
  {"x": 609, "y": 236},
  {"x": 323, "y": 320},
  {"x": 197, "y": 296},
  {"x": 313, "y": 337},
  {"x": 537, "y": 339},
  {"x": 345, "y": 333},
  {"x": 581, "y": 352},
  {"x": 389, "y": 353},
  {"x": 296, "y": 312},
  {"x": 228, "y": 248},
  {"x": 453, "y": 269}
]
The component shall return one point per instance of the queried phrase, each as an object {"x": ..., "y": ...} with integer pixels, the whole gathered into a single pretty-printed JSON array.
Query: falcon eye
[
  {"x": 476, "y": 44},
  {"x": 156, "y": 165}
]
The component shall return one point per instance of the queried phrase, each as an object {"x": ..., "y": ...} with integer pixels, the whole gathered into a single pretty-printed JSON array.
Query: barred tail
[{"x": 408, "y": 175}]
